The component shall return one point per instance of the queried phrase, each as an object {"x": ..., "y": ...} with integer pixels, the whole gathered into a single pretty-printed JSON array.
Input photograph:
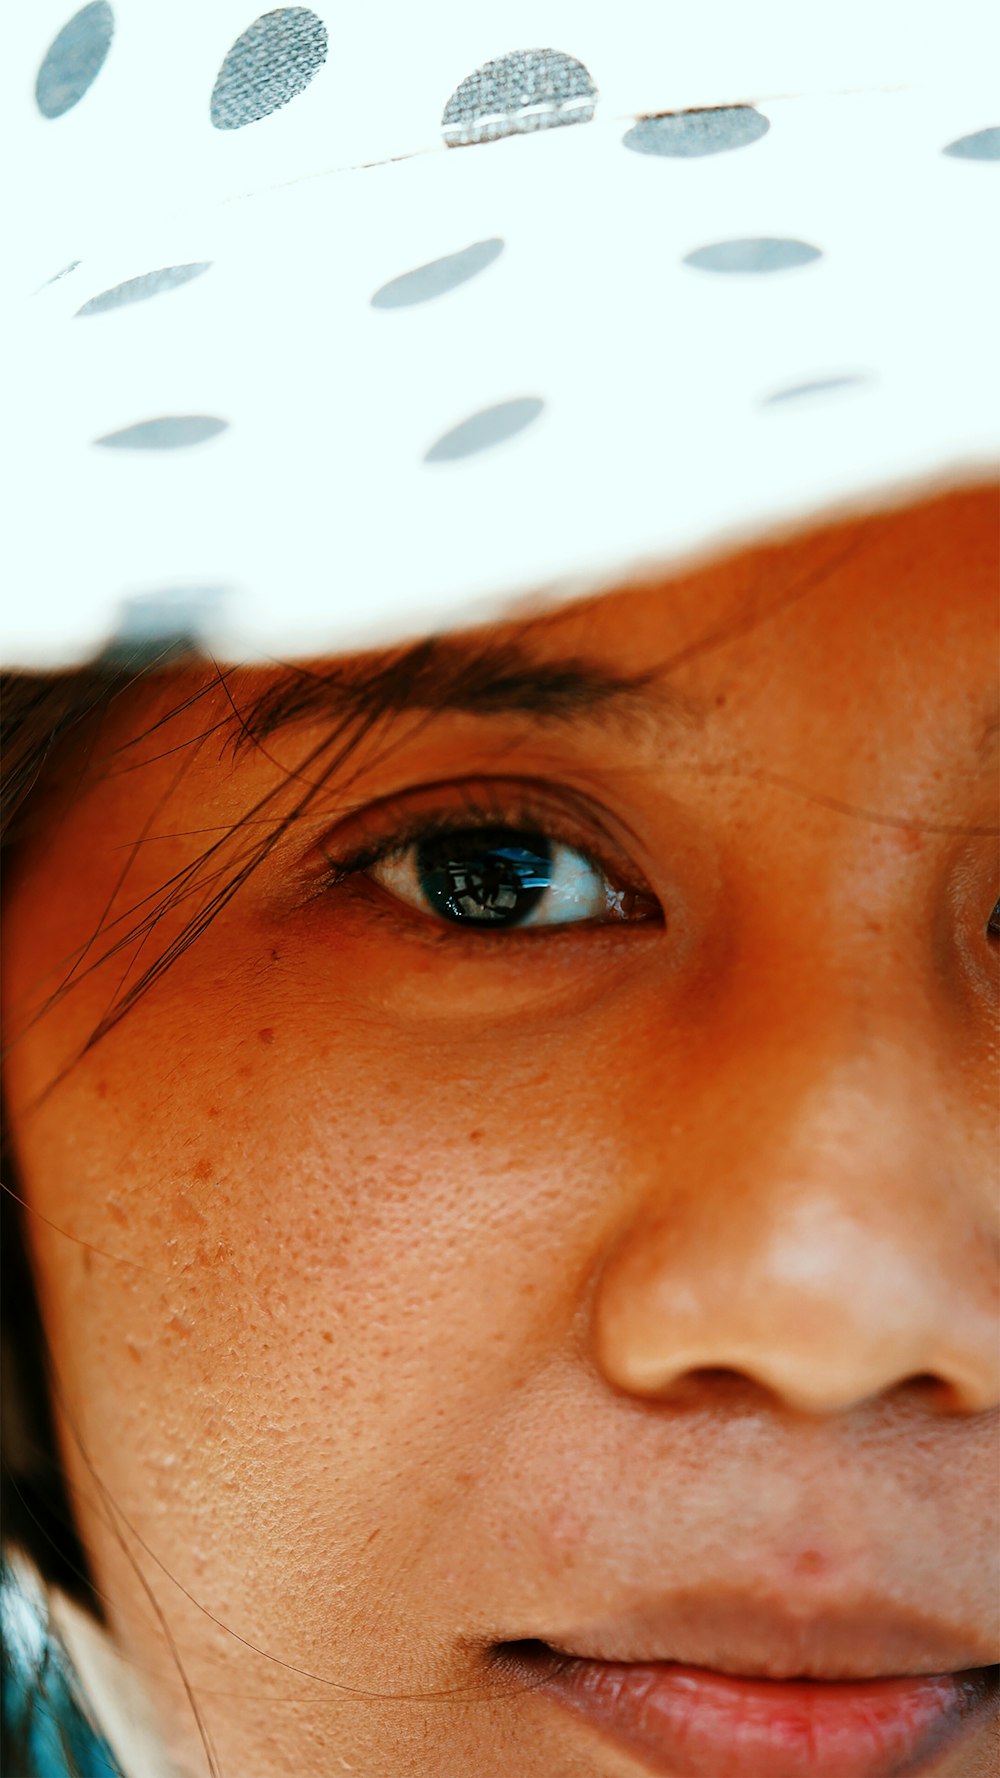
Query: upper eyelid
[{"x": 511, "y": 802}]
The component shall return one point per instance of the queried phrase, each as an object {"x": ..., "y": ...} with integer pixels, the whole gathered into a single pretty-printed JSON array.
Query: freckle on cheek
[
  {"x": 810, "y": 1562},
  {"x": 566, "y": 1534},
  {"x": 182, "y": 1209},
  {"x": 266, "y": 1035}
]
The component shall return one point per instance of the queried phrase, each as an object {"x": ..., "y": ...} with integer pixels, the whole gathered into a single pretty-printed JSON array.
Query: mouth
[{"x": 721, "y": 1686}]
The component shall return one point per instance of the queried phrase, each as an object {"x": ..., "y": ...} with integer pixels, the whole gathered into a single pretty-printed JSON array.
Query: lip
[
  {"x": 756, "y": 1684},
  {"x": 682, "y": 1721},
  {"x": 761, "y": 1634}
]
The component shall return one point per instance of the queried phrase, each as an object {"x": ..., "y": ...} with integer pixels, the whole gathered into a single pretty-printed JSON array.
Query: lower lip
[{"x": 686, "y": 1722}]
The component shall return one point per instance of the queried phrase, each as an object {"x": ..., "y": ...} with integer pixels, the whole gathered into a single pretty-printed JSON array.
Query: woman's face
[{"x": 625, "y": 1279}]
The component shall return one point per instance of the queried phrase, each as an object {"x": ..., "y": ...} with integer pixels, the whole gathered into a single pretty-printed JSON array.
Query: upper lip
[{"x": 754, "y": 1635}]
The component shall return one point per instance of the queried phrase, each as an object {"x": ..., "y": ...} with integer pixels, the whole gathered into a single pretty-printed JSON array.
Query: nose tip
[
  {"x": 823, "y": 1313},
  {"x": 821, "y": 1224}
]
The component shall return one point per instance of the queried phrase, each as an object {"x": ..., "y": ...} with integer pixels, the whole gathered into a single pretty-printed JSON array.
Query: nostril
[
  {"x": 712, "y": 1372},
  {"x": 718, "y": 1383},
  {"x": 717, "y": 1377},
  {"x": 926, "y": 1390}
]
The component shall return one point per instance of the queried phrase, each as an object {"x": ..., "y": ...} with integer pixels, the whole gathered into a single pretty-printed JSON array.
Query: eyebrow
[{"x": 479, "y": 678}]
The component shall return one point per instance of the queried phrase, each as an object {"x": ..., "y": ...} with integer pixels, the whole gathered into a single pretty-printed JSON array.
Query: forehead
[
  {"x": 863, "y": 621},
  {"x": 890, "y": 608},
  {"x": 849, "y": 585}
]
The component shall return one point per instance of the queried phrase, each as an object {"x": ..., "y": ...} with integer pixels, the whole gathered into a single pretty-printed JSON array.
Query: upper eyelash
[{"x": 432, "y": 823}]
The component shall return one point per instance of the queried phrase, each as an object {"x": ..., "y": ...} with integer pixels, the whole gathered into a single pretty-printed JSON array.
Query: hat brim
[{"x": 387, "y": 401}]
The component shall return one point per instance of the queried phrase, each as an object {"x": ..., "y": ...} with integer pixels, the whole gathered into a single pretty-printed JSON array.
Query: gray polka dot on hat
[
  {"x": 756, "y": 254},
  {"x": 270, "y": 63},
  {"x": 685, "y": 134},
  {"x": 529, "y": 89},
  {"x": 170, "y": 618},
  {"x": 64, "y": 273},
  {"x": 137, "y": 290},
  {"x": 818, "y": 386},
  {"x": 438, "y": 276},
  {"x": 982, "y": 145},
  {"x": 168, "y": 432},
  {"x": 74, "y": 59},
  {"x": 488, "y": 427}
]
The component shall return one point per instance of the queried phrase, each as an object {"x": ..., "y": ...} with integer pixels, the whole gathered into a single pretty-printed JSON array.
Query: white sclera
[{"x": 576, "y": 890}]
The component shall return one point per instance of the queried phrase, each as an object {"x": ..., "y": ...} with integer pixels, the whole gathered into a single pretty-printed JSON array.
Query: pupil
[{"x": 486, "y": 876}]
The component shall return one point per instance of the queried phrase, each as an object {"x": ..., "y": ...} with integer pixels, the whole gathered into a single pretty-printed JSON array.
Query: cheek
[
  {"x": 296, "y": 1252},
  {"x": 320, "y": 1277}
]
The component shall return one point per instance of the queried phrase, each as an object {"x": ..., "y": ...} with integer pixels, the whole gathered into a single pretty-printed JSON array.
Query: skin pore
[{"x": 414, "y": 1289}]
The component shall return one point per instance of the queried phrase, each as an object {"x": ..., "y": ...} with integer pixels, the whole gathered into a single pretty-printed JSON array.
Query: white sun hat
[{"x": 342, "y": 324}]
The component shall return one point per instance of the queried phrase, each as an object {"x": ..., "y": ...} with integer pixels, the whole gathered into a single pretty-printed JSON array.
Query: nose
[{"x": 823, "y": 1242}]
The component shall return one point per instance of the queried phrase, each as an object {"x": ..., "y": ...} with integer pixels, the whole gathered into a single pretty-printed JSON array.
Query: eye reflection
[{"x": 501, "y": 877}]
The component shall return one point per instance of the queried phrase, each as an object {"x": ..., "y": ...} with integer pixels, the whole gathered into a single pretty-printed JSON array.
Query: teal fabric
[{"x": 46, "y": 1730}]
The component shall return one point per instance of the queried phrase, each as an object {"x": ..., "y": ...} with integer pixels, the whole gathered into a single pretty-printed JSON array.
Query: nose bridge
[{"x": 819, "y": 1244}]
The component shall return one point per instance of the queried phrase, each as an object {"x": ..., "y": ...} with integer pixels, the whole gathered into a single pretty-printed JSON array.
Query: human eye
[
  {"x": 500, "y": 877},
  {"x": 478, "y": 869}
]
